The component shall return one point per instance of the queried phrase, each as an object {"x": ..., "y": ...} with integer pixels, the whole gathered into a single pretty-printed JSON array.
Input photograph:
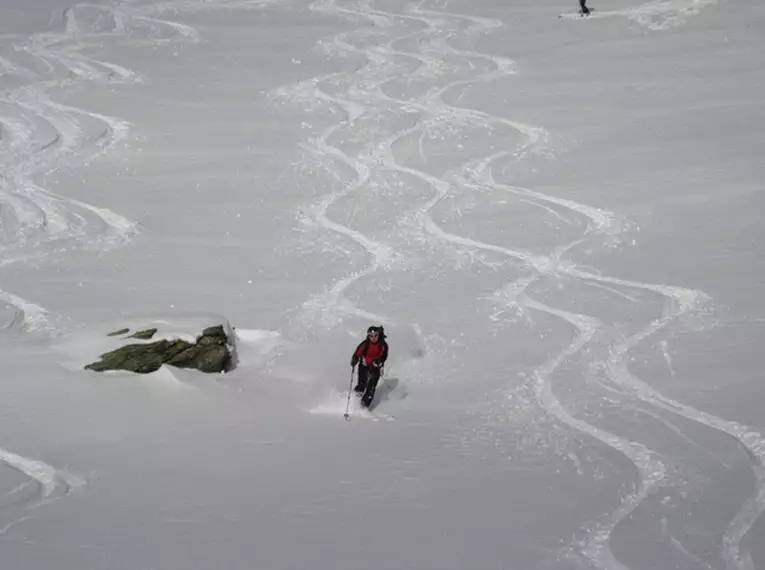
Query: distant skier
[
  {"x": 583, "y": 9},
  {"x": 370, "y": 355}
]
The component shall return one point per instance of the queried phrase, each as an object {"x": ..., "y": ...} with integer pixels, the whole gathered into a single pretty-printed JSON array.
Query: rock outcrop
[{"x": 209, "y": 354}]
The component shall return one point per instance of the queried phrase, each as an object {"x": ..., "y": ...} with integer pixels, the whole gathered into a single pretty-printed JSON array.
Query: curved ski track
[
  {"x": 360, "y": 94},
  {"x": 657, "y": 15},
  {"x": 51, "y": 484},
  {"x": 39, "y": 135}
]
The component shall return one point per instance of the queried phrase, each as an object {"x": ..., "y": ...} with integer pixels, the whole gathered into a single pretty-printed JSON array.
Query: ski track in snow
[
  {"x": 52, "y": 484},
  {"x": 361, "y": 94},
  {"x": 658, "y": 15},
  {"x": 665, "y": 14},
  {"x": 38, "y": 136}
]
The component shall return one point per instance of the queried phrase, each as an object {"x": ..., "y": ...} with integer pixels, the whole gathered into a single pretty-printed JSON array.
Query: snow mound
[{"x": 256, "y": 346}]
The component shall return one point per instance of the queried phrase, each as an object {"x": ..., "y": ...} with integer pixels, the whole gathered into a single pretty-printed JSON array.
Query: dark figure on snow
[
  {"x": 583, "y": 9},
  {"x": 370, "y": 355}
]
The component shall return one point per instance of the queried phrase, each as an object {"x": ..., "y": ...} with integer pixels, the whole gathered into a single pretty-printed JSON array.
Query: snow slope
[{"x": 556, "y": 218}]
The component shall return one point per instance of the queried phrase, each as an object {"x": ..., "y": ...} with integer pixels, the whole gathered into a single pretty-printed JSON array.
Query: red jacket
[{"x": 372, "y": 352}]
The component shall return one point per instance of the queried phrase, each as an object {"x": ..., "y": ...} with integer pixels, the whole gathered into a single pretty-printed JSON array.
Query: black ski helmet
[{"x": 377, "y": 329}]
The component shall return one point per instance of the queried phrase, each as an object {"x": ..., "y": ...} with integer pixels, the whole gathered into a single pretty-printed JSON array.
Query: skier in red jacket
[{"x": 370, "y": 355}]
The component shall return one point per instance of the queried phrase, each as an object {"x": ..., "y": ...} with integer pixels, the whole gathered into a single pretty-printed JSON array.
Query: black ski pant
[
  {"x": 583, "y": 7},
  {"x": 369, "y": 376}
]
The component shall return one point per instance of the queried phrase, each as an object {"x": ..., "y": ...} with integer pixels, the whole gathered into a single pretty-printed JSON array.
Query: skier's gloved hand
[{"x": 354, "y": 361}]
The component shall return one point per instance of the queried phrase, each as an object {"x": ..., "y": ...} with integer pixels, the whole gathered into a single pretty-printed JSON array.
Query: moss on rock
[
  {"x": 118, "y": 332},
  {"x": 144, "y": 334},
  {"x": 209, "y": 354}
]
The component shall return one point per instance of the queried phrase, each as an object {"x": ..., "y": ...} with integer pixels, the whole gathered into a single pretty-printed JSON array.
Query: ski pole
[{"x": 346, "y": 415}]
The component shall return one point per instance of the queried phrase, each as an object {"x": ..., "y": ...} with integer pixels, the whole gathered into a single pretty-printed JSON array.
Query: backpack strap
[{"x": 365, "y": 344}]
